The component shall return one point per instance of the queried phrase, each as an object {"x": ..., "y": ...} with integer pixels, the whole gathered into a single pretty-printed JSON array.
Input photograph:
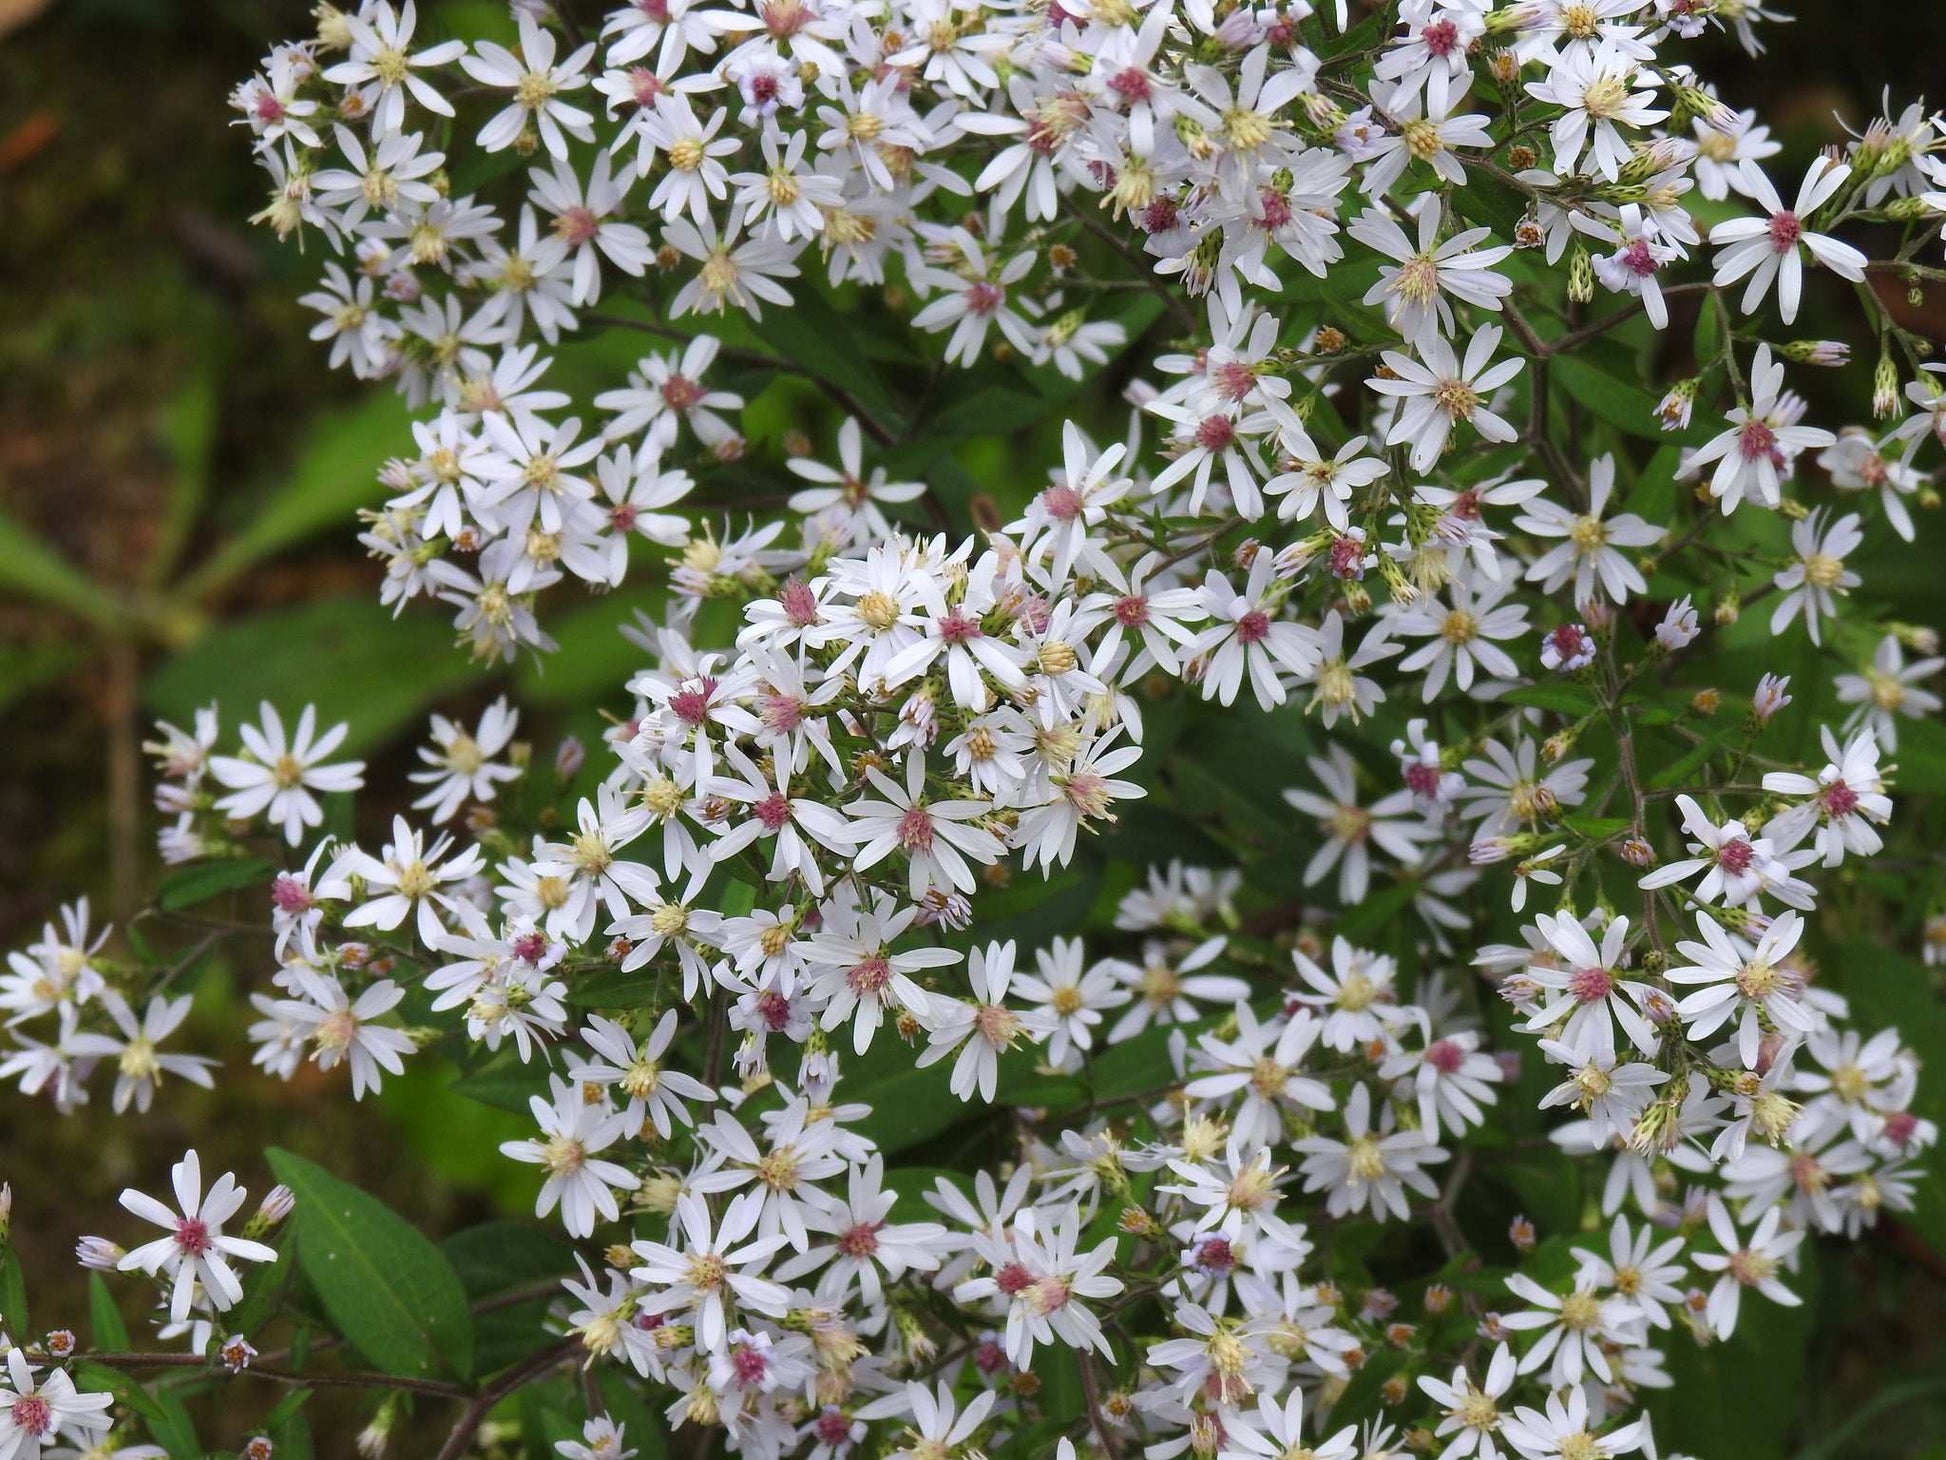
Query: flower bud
[
  {"x": 97, "y": 1254},
  {"x": 1817, "y": 352},
  {"x": 1581, "y": 275},
  {"x": 1885, "y": 387}
]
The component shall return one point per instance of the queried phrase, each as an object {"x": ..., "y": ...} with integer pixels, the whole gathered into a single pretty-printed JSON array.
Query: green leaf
[
  {"x": 34, "y": 569},
  {"x": 13, "y": 1295},
  {"x": 348, "y": 656},
  {"x": 813, "y": 336},
  {"x": 1596, "y": 828},
  {"x": 385, "y": 1286},
  {"x": 263, "y": 1291},
  {"x": 1684, "y": 767},
  {"x": 1622, "y": 404},
  {"x": 92, "y": 1375},
  {"x": 206, "y": 880},
  {"x": 105, "y": 1323},
  {"x": 333, "y": 476},
  {"x": 1755, "y": 1382},
  {"x": 1560, "y": 695},
  {"x": 24, "y": 668},
  {"x": 504, "y": 1086}
]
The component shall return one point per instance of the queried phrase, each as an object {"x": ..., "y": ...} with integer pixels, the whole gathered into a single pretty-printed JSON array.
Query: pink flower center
[
  {"x": 984, "y": 296},
  {"x": 290, "y": 895},
  {"x": 1590, "y": 985},
  {"x": 1215, "y": 433},
  {"x": 1347, "y": 558},
  {"x": 957, "y": 628},
  {"x": 656, "y": 10},
  {"x": 859, "y": 1241},
  {"x": 833, "y": 1428},
  {"x": 1131, "y": 84},
  {"x": 1785, "y": 231},
  {"x": 1755, "y": 439},
  {"x": 1273, "y": 210},
  {"x": 751, "y": 1364},
  {"x": 1445, "y": 1056},
  {"x": 1013, "y": 1278},
  {"x": 577, "y": 226},
  {"x": 644, "y": 85},
  {"x": 799, "y": 603},
  {"x": 1423, "y": 780},
  {"x": 1840, "y": 799},
  {"x": 530, "y": 947},
  {"x": 915, "y": 830},
  {"x": 1440, "y": 37},
  {"x": 1131, "y": 612},
  {"x": 192, "y": 1236},
  {"x": 1569, "y": 641},
  {"x": 32, "y": 1414},
  {"x": 774, "y": 1009},
  {"x": 869, "y": 975},
  {"x": 1253, "y": 627},
  {"x": 691, "y": 706},
  {"x": 269, "y": 108},
  {"x": 622, "y": 518},
  {"x": 1063, "y": 504},
  {"x": 1638, "y": 259},
  {"x": 680, "y": 393},
  {"x": 781, "y": 714},
  {"x": 1235, "y": 379},
  {"x": 1900, "y": 1126},
  {"x": 1735, "y": 856},
  {"x": 773, "y": 811},
  {"x": 1216, "y": 1255},
  {"x": 1160, "y": 216}
]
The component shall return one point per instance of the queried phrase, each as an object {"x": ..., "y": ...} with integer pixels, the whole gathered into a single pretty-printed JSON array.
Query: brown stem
[
  {"x": 522, "y": 1373},
  {"x": 357, "y": 1379},
  {"x": 1110, "y": 1442}
]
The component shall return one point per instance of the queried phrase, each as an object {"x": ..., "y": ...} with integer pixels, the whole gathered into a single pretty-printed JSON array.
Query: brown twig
[
  {"x": 522, "y": 1373},
  {"x": 354, "y": 1379}
]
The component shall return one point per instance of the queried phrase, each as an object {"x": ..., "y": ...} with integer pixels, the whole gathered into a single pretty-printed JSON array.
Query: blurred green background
[{"x": 177, "y": 476}]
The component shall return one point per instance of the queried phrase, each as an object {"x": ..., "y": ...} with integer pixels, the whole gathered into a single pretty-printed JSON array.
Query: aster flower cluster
[{"x": 1390, "y": 487}]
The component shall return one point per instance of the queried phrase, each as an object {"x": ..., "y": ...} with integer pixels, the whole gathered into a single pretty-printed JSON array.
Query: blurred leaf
[
  {"x": 348, "y": 656},
  {"x": 189, "y": 435},
  {"x": 264, "y": 1288},
  {"x": 1559, "y": 695},
  {"x": 813, "y": 336},
  {"x": 495, "y": 1258},
  {"x": 505, "y": 1085},
  {"x": 33, "y": 568},
  {"x": 1626, "y": 406},
  {"x": 1754, "y": 1383},
  {"x": 105, "y": 1323},
  {"x": 13, "y": 1294},
  {"x": 24, "y": 668},
  {"x": 333, "y": 476},
  {"x": 386, "y": 1287},
  {"x": 909, "y": 1104},
  {"x": 206, "y": 880}
]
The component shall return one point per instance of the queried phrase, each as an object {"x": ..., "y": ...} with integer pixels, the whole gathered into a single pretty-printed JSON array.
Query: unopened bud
[
  {"x": 569, "y": 757},
  {"x": 1885, "y": 387},
  {"x": 1581, "y": 276},
  {"x": 98, "y": 1254},
  {"x": 1817, "y": 352}
]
